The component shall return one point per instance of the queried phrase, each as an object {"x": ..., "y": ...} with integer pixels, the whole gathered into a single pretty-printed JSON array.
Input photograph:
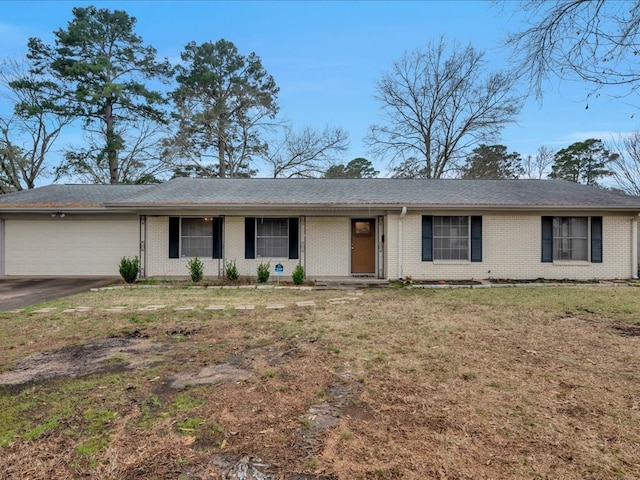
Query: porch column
[
  {"x": 400, "y": 240},
  {"x": 303, "y": 242}
]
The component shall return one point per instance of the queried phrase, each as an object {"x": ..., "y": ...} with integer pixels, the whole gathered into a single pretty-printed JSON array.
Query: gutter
[
  {"x": 44, "y": 207},
  {"x": 170, "y": 207},
  {"x": 634, "y": 247},
  {"x": 403, "y": 213}
]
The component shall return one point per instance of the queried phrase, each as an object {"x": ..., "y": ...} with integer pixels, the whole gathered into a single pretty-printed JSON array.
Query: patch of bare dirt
[
  {"x": 237, "y": 368},
  {"x": 248, "y": 468},
  {"x": 98, "y": 356},
  {"x": 339, "y": 397},
  {"x": 210, "y": 374},
  {"x": 627, "y": 330}
]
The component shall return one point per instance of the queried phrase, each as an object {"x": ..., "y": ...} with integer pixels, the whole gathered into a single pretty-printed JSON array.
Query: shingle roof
[
  {"x": 69, "y": 196},
  {"x": 322, "y": 193},
  {"x": 382, "y": 192}
]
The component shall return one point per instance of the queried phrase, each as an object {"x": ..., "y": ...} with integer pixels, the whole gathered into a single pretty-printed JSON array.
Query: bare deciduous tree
[
  {"x": 26, "y": 136},
  {"x": 592, "y": 40},
  {"x": 11, "y": 160},
  {"x": 409, "y": 168},
  {"x": 306, "y": 153},
  {"x": 538, "y": 166},
  {"x": 141, "y": 159},
  {"x": 625, "y": 162},
  {"x": 437, "y": 103}
]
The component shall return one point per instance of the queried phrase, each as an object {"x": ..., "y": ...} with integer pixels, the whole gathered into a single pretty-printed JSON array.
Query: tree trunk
[
  {"x": 112, "y": 150},
  {"x": 222, "y": 171}
]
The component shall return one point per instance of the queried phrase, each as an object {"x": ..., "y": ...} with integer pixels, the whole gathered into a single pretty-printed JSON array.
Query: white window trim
[
  {"x": 452, "y": 262},
  {"x": 572, "y": 263}
]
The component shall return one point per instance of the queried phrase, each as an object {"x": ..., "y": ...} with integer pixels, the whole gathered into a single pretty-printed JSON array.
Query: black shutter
[
  {"x": 427, "y": 238},
  {"x": 174, "y": 237},
  {"x": 250, "y": 237},
  {"x": 217, "y": 236},
  {"x": 293, "y": 238},
  {"x": 547, "y": 239},
  {"x": 476, "y": 239},
  {"x": 596, "y": 239}
]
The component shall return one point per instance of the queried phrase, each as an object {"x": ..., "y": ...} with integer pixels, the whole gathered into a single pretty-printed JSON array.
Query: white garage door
[{"x": 72, "y": 245}]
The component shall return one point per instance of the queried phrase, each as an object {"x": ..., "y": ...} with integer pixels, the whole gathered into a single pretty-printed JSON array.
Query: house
[{"x": 383, "y": 228}]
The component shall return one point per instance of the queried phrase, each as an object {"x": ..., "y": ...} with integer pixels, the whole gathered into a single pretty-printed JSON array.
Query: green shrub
[
  {"x": 298, "y": 275},
  {"x": 230, "y": 270},
  {"x": 264, "y": 269},
  {"x": 129, "y": 269},
  {"x": 196, "y": 269}
]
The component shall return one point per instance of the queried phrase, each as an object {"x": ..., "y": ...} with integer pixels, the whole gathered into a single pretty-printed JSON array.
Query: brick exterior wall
[
  {"x": 158, "y": 262},
  {"x": 511, "y": 249},
  {"x": 160, "y": 265},
  {"x": 325, "y": 246},
  {"x": 328, "y": 245}
]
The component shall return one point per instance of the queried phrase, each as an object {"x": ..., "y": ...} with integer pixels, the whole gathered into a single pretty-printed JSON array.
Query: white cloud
[{"x": 604, "y": 135}]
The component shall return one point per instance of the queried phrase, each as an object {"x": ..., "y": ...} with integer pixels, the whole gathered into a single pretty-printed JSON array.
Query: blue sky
[{"x": 327, "y": 56}]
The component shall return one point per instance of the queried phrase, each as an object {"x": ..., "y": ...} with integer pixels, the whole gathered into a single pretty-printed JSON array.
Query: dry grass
[{"x": 455, "y": 384}]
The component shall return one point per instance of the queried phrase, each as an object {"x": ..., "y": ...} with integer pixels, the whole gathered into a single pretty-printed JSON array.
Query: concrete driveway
[{"x": 19, "y": 292}]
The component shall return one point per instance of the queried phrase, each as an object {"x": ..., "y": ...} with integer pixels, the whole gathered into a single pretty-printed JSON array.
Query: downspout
[
  {"x": 402, "y": 215},
  {"x": 634, "y": 247},
  {"x": 143, "y": 247}
]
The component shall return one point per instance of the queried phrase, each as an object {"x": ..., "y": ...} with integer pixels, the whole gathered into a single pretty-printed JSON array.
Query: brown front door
[{"x": 363, "y": 246}]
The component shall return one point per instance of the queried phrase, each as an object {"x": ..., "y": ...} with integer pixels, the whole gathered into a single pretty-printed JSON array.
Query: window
[
  {"x": 272, "y": 237},
  {"x": 572, "y": 239},
  {"x": 190, "y": 237},
  {"x": 451, "y": 238},
  {"x": 362, "y": 229},
  {"x": 266, "y": 237},
  {"x": 196, "y": 237}
]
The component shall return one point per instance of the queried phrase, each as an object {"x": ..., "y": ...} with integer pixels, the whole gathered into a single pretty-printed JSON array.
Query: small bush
[
  {"x": 230, "y": 270},
  {"x": 196, "y": 269},
  {"x": 264, "y": 269},
  {"x": 129, "y": 268},
  {"x": 298, "y": 275}
]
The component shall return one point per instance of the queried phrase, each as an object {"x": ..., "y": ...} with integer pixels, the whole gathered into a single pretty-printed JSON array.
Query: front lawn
[{"x": 383, "y": 384}]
